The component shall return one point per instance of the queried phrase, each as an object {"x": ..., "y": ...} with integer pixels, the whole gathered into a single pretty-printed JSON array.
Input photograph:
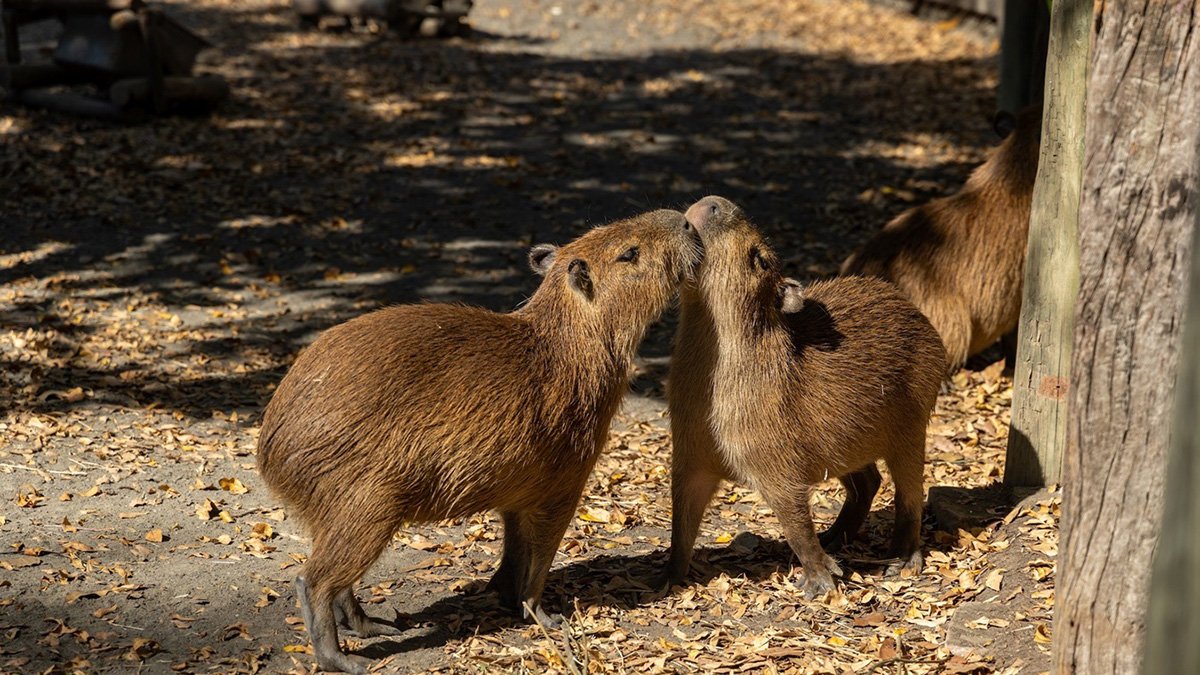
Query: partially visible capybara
[
  {"x": 432, "y": 411},
  {"x": 961, "y": 259},
  {"x": 781, "y": 388}
]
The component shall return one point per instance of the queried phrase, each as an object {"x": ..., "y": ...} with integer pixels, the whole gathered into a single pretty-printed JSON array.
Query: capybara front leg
[
  {"x": 692, "y": 488},
  {"x": 861, "y": 487},
  {"x": 509, "y": 579},
  {"x": 795, "y": 515}
]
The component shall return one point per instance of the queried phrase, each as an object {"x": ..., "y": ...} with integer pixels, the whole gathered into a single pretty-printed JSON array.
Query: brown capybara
[
  {"x": 426, "y": 412},
  {"x": 961, "y": 259},
  {"x": 781, "y": 388}
]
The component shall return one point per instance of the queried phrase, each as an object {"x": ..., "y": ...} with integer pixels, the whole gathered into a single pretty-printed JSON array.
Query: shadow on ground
[{"x": 348, "y": 172}]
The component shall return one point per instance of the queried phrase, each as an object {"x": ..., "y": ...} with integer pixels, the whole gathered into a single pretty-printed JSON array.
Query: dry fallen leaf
[{"x": 233, "y": 485}]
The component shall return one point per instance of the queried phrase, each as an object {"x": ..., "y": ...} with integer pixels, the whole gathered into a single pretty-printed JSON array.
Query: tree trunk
[
  {"x": 1138, "y": 210},
  {"x": 1173, "y": 624},
  {"x": 1039, "y": 413}
]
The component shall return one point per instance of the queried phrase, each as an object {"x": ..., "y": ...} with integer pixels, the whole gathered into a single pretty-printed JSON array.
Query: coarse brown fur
[
  {"x": 961, "y": 259},
  {"x": 782, "y": 388},
  {"x": 432, "y": 411}
]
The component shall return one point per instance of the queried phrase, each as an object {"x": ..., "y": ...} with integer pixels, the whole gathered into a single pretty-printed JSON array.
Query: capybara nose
[
  {"x": 671, "y": 218},
  {"x": 703, "y": 213}
]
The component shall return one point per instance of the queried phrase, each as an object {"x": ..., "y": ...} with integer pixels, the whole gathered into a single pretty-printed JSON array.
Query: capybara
[
  {"x": 961, "y": 259},
  {"x": 432, "y": 411},
  {"x": 781, "y": 387}
]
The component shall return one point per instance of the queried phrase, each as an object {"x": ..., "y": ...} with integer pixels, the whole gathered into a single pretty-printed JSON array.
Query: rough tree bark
[
  {"x": 1135, "y": 230},
  {"x": 1173, "y": 624},
  {"x": 1039, "y": 413}
]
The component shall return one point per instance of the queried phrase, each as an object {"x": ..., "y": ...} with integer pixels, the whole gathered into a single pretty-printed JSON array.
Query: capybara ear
[
  {"x": 791, "y": 296},
  {"x": 541, "y": 258},
  {"x": 580, "y": 277},
  {"x": 1004, "y": 123}
]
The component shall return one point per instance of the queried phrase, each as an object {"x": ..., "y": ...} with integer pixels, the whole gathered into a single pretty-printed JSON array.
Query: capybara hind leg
[
  {"x": 317, "y": 612},
  {"x": 692, "y": 488},
  {"x": 546, "y": 529},
  {"x": 953, "y": 324},
  {"x": 339, "y": 557},
  {"x": 351, "y": 615},
  {"x": 861, "y": 487},
  {"x": 908, "y": 473},
  {"x": 509, "y": 578},
  {"x": 794, "y": 511},
  {"x": 1008, "y": 343}
]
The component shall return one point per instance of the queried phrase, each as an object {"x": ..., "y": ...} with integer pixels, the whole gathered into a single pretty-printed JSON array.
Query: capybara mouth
[{"x": 693, "y": 257}]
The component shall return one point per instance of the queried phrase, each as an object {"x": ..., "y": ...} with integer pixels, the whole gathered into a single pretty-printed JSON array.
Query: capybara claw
[
  {"x": 817, "y": 584},
  {"x": 906, "y": 566},
  {"x": 340, "y": 663},
  {"x": 539, "y": 615}
]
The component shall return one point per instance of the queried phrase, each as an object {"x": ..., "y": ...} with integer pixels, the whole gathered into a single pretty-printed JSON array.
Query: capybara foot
[
  {"x": 664, "y": 581},
  {"x": 817, "y": 584},
  {"x": 818, "y": 580},
  {"x": 548, "y": 621},
  {"x": 373, "y": 627},
  {"x": 338, "y": 662},
  {"x": 506, "y": 595},
  {"x": 911, "y": 564}
]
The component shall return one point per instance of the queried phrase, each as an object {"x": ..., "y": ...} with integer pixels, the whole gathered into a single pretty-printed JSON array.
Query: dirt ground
[{"x": 158, "y": 280}]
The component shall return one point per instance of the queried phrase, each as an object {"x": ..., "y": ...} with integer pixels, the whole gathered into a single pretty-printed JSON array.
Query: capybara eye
[
  {"x": 757, "y": 260},
  {"x": 629, "y": 256}
]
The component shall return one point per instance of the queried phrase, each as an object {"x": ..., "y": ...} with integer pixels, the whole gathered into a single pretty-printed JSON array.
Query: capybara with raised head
[
  {"x": 433, "y": 411},
  {"x": 782, "y": 387},
  {"x": 961, "y": 259}
]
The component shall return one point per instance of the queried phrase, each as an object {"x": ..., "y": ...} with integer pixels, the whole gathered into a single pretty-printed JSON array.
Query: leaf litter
[{"x": 159, "y": 279}]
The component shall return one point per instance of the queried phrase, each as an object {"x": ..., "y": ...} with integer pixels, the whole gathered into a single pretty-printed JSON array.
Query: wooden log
[
  {"x": 1038, "y": 432},
  {"x": 204, "y": 90},
  {"x": 38, "y": 75},
  {"x": 74, "y": 104},
  {"x": 72, "y": 6}
]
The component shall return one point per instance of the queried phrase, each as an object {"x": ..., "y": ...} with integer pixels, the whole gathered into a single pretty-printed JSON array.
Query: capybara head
[
  {"x": 619, "y": 276},
  {"x": 740, "y": 273}
]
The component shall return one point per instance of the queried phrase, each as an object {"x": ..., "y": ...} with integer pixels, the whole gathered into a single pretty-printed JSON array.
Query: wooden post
[
  {"x": 12, "y": 37},
  {"x": 1173, "y": 624},
  {"x": 1039, "y": 409},
  {"x": 1022, "y": 54},
  {"x": 1138, "y": 209}
]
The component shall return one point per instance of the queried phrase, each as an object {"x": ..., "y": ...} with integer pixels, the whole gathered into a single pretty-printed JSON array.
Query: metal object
[{"x": 446, "y": 18}]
